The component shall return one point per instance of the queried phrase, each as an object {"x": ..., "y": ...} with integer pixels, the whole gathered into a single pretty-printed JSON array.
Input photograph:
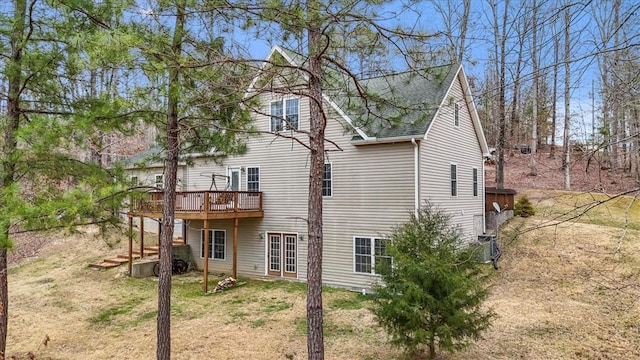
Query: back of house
[{"x": 376, "y": 174}]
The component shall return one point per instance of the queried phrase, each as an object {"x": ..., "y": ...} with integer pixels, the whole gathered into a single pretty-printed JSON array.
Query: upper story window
[
  {"x": 253, "y": 179},
  {"x": 327, "y": 180},
  {"x": 285, "y": 114},
  {"x": 158, "y": 181},
  {"x": 456, "y": 115},
  {"x": 133, "y": 180},
  {"x": 454, "y": 180}
]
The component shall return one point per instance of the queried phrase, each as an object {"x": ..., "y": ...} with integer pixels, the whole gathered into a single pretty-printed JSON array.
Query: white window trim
[
  {"x": 212, "y": 244},
  {"x": 285, "y": 125},
  {"x": 264, "y": 236},
  {"x": 155, "y": 180},
  {"x": 230, "y": 171},
  {"x": 475, "y": 187},
  {"x": 331, "y": 179},
  {"x": 132, "y": 178},
  {"x": 373, "y": 254},
  {"x": 457, "y": 180},
  {"x": 246, "y": 180}
]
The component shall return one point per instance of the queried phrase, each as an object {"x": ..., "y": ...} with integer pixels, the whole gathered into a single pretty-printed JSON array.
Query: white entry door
[{"x": 234, "y": 179}]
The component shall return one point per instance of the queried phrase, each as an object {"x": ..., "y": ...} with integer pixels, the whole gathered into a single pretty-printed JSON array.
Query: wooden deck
[{"x": 203, "y": 205}]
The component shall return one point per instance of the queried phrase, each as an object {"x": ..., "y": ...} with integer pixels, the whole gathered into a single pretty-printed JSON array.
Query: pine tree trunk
[
  {"x": 4, "y": 296},
  {"x": 9, "y": 146},
  {"x": 170, "y": 180},
  {"x": 315, "y": 338}
]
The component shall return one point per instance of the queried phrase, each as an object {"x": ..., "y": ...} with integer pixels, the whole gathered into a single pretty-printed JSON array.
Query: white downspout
[
  {"x": 484, "y": 200},
  {"x": 416, "y": 177}
]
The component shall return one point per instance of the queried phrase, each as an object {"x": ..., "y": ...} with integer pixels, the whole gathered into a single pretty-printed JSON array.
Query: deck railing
[{"x": 202, "y": 202}]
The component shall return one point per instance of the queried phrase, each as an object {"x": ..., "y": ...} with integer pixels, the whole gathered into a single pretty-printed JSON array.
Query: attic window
[
  {"x": 456, "y": 120},
  {"x": 285, "y": 115}
]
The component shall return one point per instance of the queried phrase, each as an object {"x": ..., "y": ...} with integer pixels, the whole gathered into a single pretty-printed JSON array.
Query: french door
[{"x": 282, "y": 254}]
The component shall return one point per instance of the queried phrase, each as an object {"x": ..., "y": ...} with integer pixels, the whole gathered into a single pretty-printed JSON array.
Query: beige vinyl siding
[
  {"x": 372, "y": 192},
  {"x": 250, "y": 246},
  {"x": 447, "y": 144}
]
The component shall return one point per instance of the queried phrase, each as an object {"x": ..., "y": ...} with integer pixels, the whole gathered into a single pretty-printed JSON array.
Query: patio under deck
[{"x": 200, "y": 205}]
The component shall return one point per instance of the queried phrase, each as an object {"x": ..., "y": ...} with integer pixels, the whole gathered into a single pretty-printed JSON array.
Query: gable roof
[
  {"x": 404, "y": 107},
  {"x": 414, "y": 99},
  {"x": 405, "y": 103},
  {"x": 297, "y": 60}
]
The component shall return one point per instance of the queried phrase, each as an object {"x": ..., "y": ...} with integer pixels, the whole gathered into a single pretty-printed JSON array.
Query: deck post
[
  {"x": 205, "y": 265},
  {"x": 130, "y": 243},
  {"x": 141, "y": 233},
  {"x": 205, "y": 202},
  {"x": 234, "y": 269}
]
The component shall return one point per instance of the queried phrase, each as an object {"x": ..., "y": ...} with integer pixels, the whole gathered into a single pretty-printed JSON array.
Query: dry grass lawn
[{"x": 565, "y": 292}]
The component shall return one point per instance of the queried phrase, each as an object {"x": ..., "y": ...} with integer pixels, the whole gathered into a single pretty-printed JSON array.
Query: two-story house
[{"x": 379, "y": 176}]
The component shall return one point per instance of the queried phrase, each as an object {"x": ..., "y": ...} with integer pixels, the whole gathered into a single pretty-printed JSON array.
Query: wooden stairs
[{"x": 124, "y": 258}]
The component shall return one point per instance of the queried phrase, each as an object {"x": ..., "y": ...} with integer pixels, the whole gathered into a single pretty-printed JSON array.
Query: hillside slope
[{"x": 586, "y": 173}]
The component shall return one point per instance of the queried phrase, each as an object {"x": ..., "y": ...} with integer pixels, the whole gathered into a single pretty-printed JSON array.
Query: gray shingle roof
[
  {"x": 401, "y": 104},
  {"x": 150, "y": 157}
]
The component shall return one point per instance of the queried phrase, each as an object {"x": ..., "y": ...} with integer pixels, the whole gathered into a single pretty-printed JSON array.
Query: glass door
[{"x": 282, "y": 255}]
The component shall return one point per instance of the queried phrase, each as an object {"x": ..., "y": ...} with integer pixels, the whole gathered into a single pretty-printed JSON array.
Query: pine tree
[
  {"x": 433, "y": 292},
  {"x": 44, "y": 183}
]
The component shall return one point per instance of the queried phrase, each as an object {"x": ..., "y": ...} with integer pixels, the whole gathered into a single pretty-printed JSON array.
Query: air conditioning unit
[{"x": 485, "y": 249}]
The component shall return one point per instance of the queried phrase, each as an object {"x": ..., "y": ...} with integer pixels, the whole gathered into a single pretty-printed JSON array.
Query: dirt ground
[
  {"x": 586, "y": 173},
  {"x": 568, "y": 292}
]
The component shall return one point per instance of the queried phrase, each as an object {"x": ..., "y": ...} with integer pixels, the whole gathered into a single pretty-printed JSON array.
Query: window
[
  {"x": 158, "y": 180},
  {"x": 253, "y": 179},
  {"x": 217, "y": 244},
  {"x": 133, "y": 180},
  {"x": 369, "y": 253},
  {"x": 454, "y": 180},
  {"x": 285, "y": 115},
  {"x": 456, "y": 115},
  {"x": 276, "y": 116},
  {"x": 327, "y": 180},
  {"x": 475, "y": 182}
]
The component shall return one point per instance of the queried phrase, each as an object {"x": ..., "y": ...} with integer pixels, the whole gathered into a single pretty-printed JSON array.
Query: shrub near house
[{"x": 432, "y": 295}]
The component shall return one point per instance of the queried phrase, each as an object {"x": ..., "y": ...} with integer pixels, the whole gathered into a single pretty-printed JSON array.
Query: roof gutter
[{"x": 388, "y": 140}]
